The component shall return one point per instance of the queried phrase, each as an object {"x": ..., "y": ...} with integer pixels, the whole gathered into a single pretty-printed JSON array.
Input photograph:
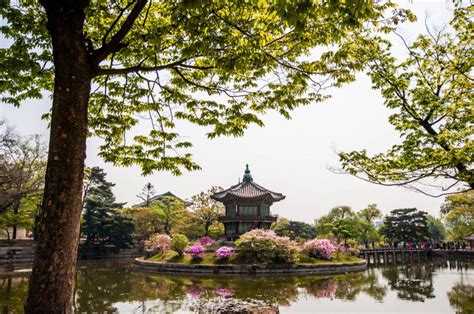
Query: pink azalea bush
[
  {"x": 205, "y": 240},
  {"x": 195, "y": 251},
  {"x": 195, "y": 291},
  {"x": 224, "y": 252},
  {"x": 225, "y": 292},
  {"x": 320, "y": 248},
  {"x": 264, "y": 246},
  {"x": 158, "y": 243}
]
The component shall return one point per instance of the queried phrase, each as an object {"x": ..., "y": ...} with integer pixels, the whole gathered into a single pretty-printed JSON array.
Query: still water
[{"x": 438, "y": 286}]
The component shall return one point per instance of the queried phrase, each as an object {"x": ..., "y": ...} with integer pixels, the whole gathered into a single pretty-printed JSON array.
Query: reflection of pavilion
[{"x": 247, "y": 206}]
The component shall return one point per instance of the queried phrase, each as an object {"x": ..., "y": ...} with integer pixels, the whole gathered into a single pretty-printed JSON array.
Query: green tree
[
  {"x": 147, "y": 221},
  {"x": 22, "y": 167},
  {"x": 281, "y": 221},
  {"x": 206, "y": 209},
  {"x": 368, "y": 232},
  {"x": 431, "y": 95},
  {"x": 171, "y": 211},
  {"x": 458, "y": 212},
  {"x": 103, "y": 223},
  {"x": 436, "y": 229},
  {"x": 296, "y": 230},
  {"x": 341, "y": 222},
  {"x": 179, "y": 242},
  {"x": 407, "y": 224},
  {"x": 108, "y": 62}
]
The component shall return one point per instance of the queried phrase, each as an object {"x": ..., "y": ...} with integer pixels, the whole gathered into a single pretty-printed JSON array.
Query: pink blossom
[
  {"x": 225, "y": 292},
  {"x": 206, "y": 240},
  {"x": 224, "y": 252},
  {"x": 195, "y": 251},
  {"x": 320, "y": 248}
]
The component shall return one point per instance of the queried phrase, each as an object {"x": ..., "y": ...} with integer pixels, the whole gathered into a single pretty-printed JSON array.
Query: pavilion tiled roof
[
  {"x": 247, "y": 189},
  {"x": 162, "y": 196}
]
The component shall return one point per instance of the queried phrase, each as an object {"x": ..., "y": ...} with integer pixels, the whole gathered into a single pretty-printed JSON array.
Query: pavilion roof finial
[{"x": 247, "y": 175}]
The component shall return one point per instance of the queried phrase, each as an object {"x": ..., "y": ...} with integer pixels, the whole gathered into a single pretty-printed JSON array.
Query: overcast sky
[{"x": 287, "y": 156}]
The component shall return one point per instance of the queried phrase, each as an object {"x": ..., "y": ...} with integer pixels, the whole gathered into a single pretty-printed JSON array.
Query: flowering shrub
[
  {"x": 354, "y": 251},
  {"x": 158, "y": 243},
  {"x": 205, "y": 240},
  {"x": 195, "y": 251},
  {"x": 225, "y": 292},
  {"x": 179, "y": 242},
  {"x": 264, "y": 246},
  {"x": 347, "y": 249},
  {"x": 224, "y": 252},
  {"x": 319, "y": 248},
  {"x": 195, "y": 291}
]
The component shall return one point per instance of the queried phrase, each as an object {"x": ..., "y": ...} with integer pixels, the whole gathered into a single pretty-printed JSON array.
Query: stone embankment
[
  {"x": 22, "y": 252},
  {"x": 307, "y": 269}
]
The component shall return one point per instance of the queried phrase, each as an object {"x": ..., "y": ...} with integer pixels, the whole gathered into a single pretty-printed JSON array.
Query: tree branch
[
  {"x": 114, "y": 43},
  {"x": 137, "y": 68}
]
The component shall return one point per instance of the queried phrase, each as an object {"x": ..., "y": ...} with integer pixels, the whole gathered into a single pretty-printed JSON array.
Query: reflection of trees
[
  {"x": 13, "y": 292},
  {"x": 461, "y": 297},
  {"x": 324, "y": 288},
  {"x": 100, "y": 286},
  {"x": 412, "y": 282},
  {"x": 346, "y": 287},
  {"x": 373, "y": 288}
]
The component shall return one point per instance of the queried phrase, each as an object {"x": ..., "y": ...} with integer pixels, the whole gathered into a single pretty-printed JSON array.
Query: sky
[{"x": 292, "y": 157}]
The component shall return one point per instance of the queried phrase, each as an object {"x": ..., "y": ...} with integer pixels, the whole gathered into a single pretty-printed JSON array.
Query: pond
[{"x": 442, "y": 286}]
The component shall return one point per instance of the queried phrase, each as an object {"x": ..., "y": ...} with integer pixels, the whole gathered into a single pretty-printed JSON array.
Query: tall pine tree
[
  {"x": 406, "y": 224},
  {"x": 102, "y": 223}
]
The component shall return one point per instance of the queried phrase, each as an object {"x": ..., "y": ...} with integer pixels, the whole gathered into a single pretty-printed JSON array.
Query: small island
[
  {"x": 256, "y": 252},
  {"x": 248, "y": 246}
]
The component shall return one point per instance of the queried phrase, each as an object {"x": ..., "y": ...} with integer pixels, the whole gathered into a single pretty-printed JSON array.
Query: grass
[
  {"x": 173, "y": 257},
  {"x": 341, "y": 258},
  {"x": 210, "y": 259}
]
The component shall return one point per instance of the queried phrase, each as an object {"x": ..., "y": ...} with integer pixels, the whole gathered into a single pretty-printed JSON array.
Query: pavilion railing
[{"x": 271, "y": 218}]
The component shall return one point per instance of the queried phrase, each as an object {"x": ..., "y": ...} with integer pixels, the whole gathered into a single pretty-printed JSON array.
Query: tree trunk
[
  {"x": 15, "y": 212},
  {"x": 53, "y": 277}
]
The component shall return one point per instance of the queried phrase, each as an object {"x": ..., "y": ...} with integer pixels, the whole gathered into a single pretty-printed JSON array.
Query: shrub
[
  {"x": 158, "y": 243},
  {"x": 264, "y": 246},
  {"x": 205, "y": 240},
  {"x": 195, "y": 251},
  {"x": 319, "y": 248},
  {"x": 179, "y": 242},
  {"x": 353, "y": 251},
  {"x": 224, "y": 252}
]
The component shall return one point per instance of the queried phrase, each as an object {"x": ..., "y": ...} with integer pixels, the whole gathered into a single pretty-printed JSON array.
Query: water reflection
[
  {"x": 461, "y": 297},
  {"x": 107, "y": 288}
]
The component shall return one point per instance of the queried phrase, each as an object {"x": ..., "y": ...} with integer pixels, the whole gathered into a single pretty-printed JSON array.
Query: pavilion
[{"x": 247, "y": 206}]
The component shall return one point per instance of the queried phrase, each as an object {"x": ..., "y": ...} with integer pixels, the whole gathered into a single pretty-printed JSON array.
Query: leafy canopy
[
  {"x": 367, "y": 216},
  {"x": 207, "y": 210},
  {"x": 296, "y": 230},
  {"x": 458, "y": 213},
  {"x": 341, "y": 222},
  {"x": 431, "y": 94},
  {"x": 220, "y": 64},
  {"x": 406, "y": 224},
  {"x": 436, "y": 229}
]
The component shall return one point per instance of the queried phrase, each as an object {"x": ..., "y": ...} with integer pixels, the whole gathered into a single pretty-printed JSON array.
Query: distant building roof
[
  {"x": 247, "y": 189},
  {"x": 161, "y": 196}
]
